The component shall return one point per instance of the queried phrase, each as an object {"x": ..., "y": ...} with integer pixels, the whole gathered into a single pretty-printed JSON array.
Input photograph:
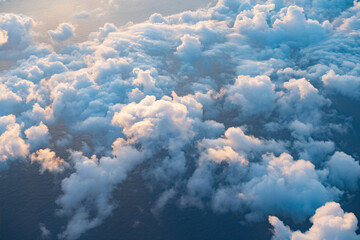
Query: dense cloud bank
[{"x": 229, "y": 108}]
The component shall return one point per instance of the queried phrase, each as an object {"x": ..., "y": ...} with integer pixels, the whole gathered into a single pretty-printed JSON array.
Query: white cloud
[
  {"x": 93, "y": 183},
  {"x": 12, "y": 146},
  {"x": 301, "y": 101},
  {"x": 190, "y": 48},
  {"x": 329, "y": 222},
  {"x": 38, "y": 136},
  {"x": 253, "y": 95},
  {"x": 168, "y": 124},
  {"x": 344, "y": 171},
  {"x": 48, "y": 161},
  {"x": 163, "y": 91},
  {"x": 288, "y": 187},
  {"x": 63, "y": 32},
  {"x": 19, "y": 36},
  {"x": 347, "y": 85},
  {"x": 290, "y": 26}
]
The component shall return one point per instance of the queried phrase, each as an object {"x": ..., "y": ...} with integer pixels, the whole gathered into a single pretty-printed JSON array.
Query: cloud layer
[{"x": 232, "y": 108}]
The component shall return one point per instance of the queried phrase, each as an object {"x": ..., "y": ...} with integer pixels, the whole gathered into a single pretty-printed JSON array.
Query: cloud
[
  {"x": 3, "y": 37},
  {"x": 344, "y": 171},
  {"x": 253, "y": 95},
  {"x": 82, "y": 15},
  {"x": 231, "y": 154},
  {"x": 301, "y": 101},
  {"x": 9, "y": 100},
  {"x": 17, "y": 30},
  {"x": 12, "y": 146},
  {"x": 38, "y": 136},
  {"x": 286, "y": 182},
  {"x": 231, "y": 108},
  {"x": 329, "y": 222},
  {"x": 190, "y": 48},
  {"x": 62, "y": 33},
  {"x": 93, "y": 183},
  {"x": 168, "y": 124},
  {"x": 48, "y": 161},
  {"x": 45, "y": 233},
  {"x": 290, "y": 27},
  {"x": 347, "y": 85}
]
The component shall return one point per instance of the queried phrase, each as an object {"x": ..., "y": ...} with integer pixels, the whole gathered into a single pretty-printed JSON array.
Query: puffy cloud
[
  {"x": 48, "y": 161},
  {"x": 347, "y": 85},
  {"x": 329, "y": 222},
  {"x": 253, "y": 95},
  {"x": 231, "y": 154},
  {"x": 247, "y": 144},
  {"x": 38, "y": 135},
  {"x": 276, "y": 185},
  {"x": 10, "y": 101},
  {"x": 290, "y": 26},
  {"x": 17, "y": 31},
  {"x": 190, "y": 48},
  {"x": 314, "y": 151},
  {"x": 168, "y": 124},
  {"x": 301, "y": 101},
  {"x": 163, "y": 91},
  {"x": 288, "y": 187},
  {"x": 344, "y": 171},
  {"x": 12, "y": 146},
  {"x": 92, "y": 183},
  {"x": 63, "y": 32}
]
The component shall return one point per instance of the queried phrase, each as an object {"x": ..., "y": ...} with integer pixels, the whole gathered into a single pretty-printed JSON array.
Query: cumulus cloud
[
  {"x": 301, "y": 101},
  {"x": 344, "y": 171},
  {"x": 290, "y": 26},
  {"x": 218, "y": 104},
  {"x": 63, "y": 32},
  {"x": 48, "y": 161},
  {"x": 347, "y": 85},
  {"x": 329, "y": 222},
  {"x": 38, "y": 136},
  {"x": 168, "y": 124},
  {"x": 253, "y": 95},
  {"x": 190, "y": 48},
  {"x": 17, "y": 31},
  {"x": 12, "y": 145},
  {"x": 293, "y": 183},
  {"x": 9, "y": 100},
  {"x": 93, "y": 183}
]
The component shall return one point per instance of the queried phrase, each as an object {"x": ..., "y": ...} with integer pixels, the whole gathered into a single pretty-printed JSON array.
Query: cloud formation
[
  {"x": 329, "y": 222},
  {"x": 235, "y": 108},
  {"x": 62, "y": 33},
  {"x": 48, "y": 161}
]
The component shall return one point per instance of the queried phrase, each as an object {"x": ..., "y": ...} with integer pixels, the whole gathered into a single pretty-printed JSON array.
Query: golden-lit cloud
[{"x": 3, "y": 37}]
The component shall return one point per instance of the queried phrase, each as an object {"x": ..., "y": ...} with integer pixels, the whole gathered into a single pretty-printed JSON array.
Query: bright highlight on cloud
[
  {"x": 242, "y": 107},
  {"x": 3, "y": 37}
]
